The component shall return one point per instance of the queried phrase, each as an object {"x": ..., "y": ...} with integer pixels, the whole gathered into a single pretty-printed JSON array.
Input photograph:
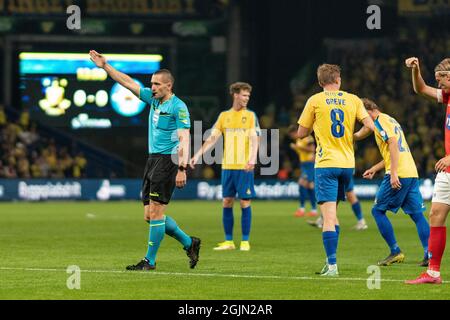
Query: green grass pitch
[{"x": 38, "y": 241}]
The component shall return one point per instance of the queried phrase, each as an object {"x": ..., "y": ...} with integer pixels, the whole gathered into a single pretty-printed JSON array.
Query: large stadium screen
[{"x": 68, "y": 90}]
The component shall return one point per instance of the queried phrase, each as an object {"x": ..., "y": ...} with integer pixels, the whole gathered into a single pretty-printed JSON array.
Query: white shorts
[{"x": 441, "y": 190}]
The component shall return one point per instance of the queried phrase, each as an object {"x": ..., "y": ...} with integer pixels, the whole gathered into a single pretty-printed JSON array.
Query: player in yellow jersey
[
  {"x": 305, "y": 149},
  {"x": 400, "y": 186},
  {"x": 332, "y": 114},
  {"x": 240, "y": 129}
]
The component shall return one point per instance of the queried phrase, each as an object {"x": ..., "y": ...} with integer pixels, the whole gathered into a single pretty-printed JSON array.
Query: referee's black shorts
[{"x": 159, "y": 178}]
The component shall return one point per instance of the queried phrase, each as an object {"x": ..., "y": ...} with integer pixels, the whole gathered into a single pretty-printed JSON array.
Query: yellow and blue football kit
[
  {"x": 408, "y": 197},
  {"x": 332, "y": 116},
  {"x": 237, "y": 128}
]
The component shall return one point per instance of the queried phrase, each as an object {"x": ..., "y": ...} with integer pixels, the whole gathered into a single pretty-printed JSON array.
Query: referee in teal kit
[{"x": 168, "y": 144}]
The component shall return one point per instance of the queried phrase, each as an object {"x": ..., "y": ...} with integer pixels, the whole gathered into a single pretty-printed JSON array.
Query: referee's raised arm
[{"x": 122, "y": 78}]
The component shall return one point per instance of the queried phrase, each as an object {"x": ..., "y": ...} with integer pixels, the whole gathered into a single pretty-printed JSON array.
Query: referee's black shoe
[
  {"x": 193, "y": 252},
  {"x": 144, "y": 265}
]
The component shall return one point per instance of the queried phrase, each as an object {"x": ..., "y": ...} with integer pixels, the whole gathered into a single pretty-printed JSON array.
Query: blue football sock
[
  {"x": 356, "y": 207},
  {"x": 246, "y": 221},
  {"x": 423, "y": 229},
  {"x": 312, "y": 198},
  {"x": 155, "y": 237},
  {"x": 173, "y": 230},
  {"x": 330, "y": 240},
  {"x": 228, "y": 222},
  {"x": 386, "y": 230},
  {"x": 303, "y": 195}
]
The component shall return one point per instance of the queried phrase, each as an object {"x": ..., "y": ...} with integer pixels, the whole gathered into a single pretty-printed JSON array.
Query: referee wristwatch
[{"x": 181, "y": 168}]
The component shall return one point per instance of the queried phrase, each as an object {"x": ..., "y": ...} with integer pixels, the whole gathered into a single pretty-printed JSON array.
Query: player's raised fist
[
  {"x": 97, "y": 58},
  {"x": 412, "y": 62}
]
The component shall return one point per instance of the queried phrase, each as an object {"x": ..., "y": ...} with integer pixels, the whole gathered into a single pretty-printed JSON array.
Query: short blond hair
[
  {"x": 328, "y": 73},
  {"x": 444, "y": 65},
  {"x": 237, "y": 87}
]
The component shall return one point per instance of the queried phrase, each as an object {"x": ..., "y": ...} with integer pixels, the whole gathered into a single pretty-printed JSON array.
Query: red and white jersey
[{"x": 444, "y": 97}]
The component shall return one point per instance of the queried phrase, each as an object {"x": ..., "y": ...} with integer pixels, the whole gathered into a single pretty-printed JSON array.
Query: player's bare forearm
[
  {"x": 368, "y": 123},
  {"x": 363, "y": 133},
  {"x": 208, "y": 144},
  {"x": 419, "y": 85},
  {"x": 304, "y": 132},
  {"x": 368, "y": 174},
  {"x": 394, "y": 154},
  {"x": 122, "y": 78},
  {"x": 377, "y": 167},
  {"x": 183, "y": 149}
]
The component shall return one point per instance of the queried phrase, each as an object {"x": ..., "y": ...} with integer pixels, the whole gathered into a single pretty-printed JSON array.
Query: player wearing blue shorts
[
  {"x": 400, "y": 186},
  {"x": 356, "y": 208},
  {"x": 332, "y": 115},
  {"x": 240, "y": 129}
]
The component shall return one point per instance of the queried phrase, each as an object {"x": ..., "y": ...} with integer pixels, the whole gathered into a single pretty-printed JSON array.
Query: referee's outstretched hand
[{"x": 97, "y": 58}]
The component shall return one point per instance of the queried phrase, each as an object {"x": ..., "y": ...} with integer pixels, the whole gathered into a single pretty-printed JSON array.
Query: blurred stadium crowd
[{"x": 25, "y": 152}]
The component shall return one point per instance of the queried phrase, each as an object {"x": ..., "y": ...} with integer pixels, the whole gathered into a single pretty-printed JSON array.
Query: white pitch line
[{"x": 156, "y": 273}]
